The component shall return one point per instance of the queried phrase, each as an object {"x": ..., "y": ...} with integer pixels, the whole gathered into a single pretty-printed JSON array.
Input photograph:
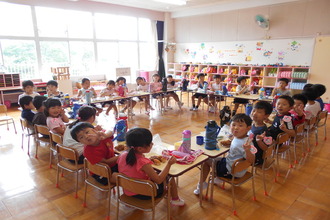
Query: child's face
[
  {"x": 29, "y": 89},
  {"x": 139, "y": 81},
  {"x": 109, "y": 86},
  {"x": 52, "y": 88},
  {"x": 88, "y": 136},
  {"x": 283, "y": 106},
  {"x": 298, "y": 103},
  {"x": 41, "y": 109},
  {"x": 258, "y": 115},
  {"x": 120, "y": 82},
  {"x": 55, "y": 111},
  {"x": 239, "y": 129},
  {"x": 86, "y": 84},
  {"x": 282, "y": 84},
  {"x": 169, "y": 79},
  {"x": 217, "y": 80},
  {"x": 155, "y": 78},
  {"x": 243, "y": 82},
  {"x": 29, "y": 106},
  {"x": 145, "y": 150},
  {"x": 201, "y": 78}
]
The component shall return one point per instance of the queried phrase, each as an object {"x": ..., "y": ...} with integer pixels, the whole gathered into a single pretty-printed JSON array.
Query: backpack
[{"x": 225, "y": 114}]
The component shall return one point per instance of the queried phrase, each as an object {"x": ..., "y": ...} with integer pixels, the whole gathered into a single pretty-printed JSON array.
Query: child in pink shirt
[{"x": 134, "y": 164}]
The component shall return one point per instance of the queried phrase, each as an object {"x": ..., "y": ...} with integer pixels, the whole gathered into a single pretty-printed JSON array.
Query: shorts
[
  {"x": 197, "y": 95},
  {"x": 158, "y": 95},
  {"x": 104, "y": 180},
  {"x": 169, "y": 92},
  {"x": 160, "y": 191},
  {"x": 221, "y": 168},
  {"x": 107, "y": 102},
  {"x": 241, "y": 101}
]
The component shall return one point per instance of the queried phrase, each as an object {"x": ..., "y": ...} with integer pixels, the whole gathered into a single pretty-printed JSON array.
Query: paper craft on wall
[{"x": 259, "y": 45}]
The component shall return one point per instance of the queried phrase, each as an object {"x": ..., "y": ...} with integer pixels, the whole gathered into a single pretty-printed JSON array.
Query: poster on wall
[{"x": 295, "y": 52}]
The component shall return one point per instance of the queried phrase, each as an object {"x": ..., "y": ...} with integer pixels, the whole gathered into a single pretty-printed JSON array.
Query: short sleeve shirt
[
  {"x": 28, "y": 115},
  {"x": 275, "y": 130},
  {"x": 70, "y": 142},
  {"x": 282, "y": 92},
  {"x": 53, "y": 123},
  {"x": 236, "y": 151},
  {"x": 39, "y": 119},
  {"x": 104, "y": 150},
  {"x": 134, "y": 171}
]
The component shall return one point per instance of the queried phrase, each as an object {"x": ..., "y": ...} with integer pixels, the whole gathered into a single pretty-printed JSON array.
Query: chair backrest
[
  {"x": 57, "y": 138},
  {"x": 67, "y": 152},
  {"x": 322, "y": 118},
  {"x": 41, "y": 129},
  {"x": 300, "y": 129},
  {"x": 100, "y": 169},
  {"x": 3, "y": 109},
  {"x": 138, "y": 186},
  {"x": 268, "y": 152},
  {"x": 24, "y": 123},
  {"x": 282, "y": 138},
  {"x": 240, "y": 165},
  {"x": 312, "y": 120}
]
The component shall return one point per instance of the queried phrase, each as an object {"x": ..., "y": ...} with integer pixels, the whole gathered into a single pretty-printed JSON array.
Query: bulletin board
[{"x": 286, "y": 51}]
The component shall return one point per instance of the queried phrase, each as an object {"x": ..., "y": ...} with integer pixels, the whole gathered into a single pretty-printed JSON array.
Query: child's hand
[
  {"x": 299, "y": 109},
  {"x": 260, "y": 137},
  {"x": 62, "y": 113},
  {"x": 268, "y": 121},
  {"x": 247, "y": 146},
  {"x": 172, "y": 160},
  {"x": 282, "y": 126},
  {"x": 98, "y": 128},
  {"x": 102, "y": 135}
]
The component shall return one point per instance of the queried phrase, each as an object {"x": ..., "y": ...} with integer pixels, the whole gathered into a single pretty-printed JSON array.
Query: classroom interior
[{"x": 203, "y": 36}]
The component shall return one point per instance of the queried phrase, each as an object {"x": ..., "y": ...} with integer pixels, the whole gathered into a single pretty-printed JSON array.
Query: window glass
[
  {"x": 148, "y": 56},
  {"x": 127, "y": 28},
  {"x": 82, "y": 58},
  {"x": 128, "y": 57},
  {"x": 20, "y": 57},
  {"x": 15, "y": 20},
  {"x": 145, "y": 30},
  {"x": 106, "y": 26},
  {"x": 54, "y": 53},
  {"x": 107, "y": 59},
  {"x": 80, "y": 24},
  {"x": 51, "y": 22}
]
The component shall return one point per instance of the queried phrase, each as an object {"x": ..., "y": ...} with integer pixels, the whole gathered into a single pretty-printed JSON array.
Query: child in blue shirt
[
  {"x": 27, "y": 106},
  {"x": 260, "y": 113},
  {"x": 320, "y": 89},
  {"x": 239, "y": 148}
]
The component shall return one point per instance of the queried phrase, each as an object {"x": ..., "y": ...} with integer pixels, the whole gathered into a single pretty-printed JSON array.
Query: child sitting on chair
[
  {"x": 199, "y": 96},
  {"x": 298, "y": 112},
  {"x": 134, "y": 164},
  {"x": 56, "y": 116},
  {"x": 86, "y": 86},
  {"x": 239, "y": 148},
  {"x": 171, "y": 85},
  {"x": 281, "y": 89},
  {"x": 283, "y": 121},
  {"x": 28, "y": 88},
  {"x": 320, "y": 89},
  {"x": 27, "y": 106},
  {"x": 241, "y": 89},
  {"x": 98, "y": 148},
  {"x": 52, "y": 90},
  {"x": 143, "y": 86},
  {"x": 40, "y": 117},
  {"x": 110, "y": 91}
]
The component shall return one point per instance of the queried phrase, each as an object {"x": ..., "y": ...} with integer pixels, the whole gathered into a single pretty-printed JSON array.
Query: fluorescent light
[{"x": 173, "y": 2}]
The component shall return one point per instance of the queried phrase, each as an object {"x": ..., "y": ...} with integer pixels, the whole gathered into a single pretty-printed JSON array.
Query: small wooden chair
[
  {"x": 298, "y": 138},
  {"x": 310, "y": 128},
  {"x": 100, "y": 169},
  {"x": 269, "y": 162},
  {"x": 6, "y": 118},
  {"x": 282, "y": 147},
  {"x": 26, "y": 131},
  {"x": 64, "y": 154},
  {"x": 142, "y": 187},
  {"x": 54, "y": 139},
  {"x": 40, "y": 132},
  {"x": 238, "y": 166},
  {"x": 321, "y": 121}
]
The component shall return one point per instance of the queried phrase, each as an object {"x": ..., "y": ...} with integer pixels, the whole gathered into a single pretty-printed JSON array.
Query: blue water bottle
[
  {"x": 88, "y": 97},
  {"x": 211, "y": 134},
  {"x": 205, "y": 87}
]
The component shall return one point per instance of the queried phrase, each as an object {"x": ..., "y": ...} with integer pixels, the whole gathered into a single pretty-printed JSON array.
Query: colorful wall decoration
[{"x": 285, "y": 51}]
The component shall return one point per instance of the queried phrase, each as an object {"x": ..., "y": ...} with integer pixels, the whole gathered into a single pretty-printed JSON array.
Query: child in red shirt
[
  {"x": 98, "y": 148},
  {"x": 298, "y": 112}
]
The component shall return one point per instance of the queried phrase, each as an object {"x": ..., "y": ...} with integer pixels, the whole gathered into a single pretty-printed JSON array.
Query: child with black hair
[
  {"x": 143, "y": 86},
  {"x": 52, "y": 90},
  {"x": 199, "y": 96},
  {"x": 28, "y": 88},
  {"x": 98, "y": 148},
  {"x": 156, "y": 87},
  {"x": 85, "y": 114},
  {"x": 40, "y": 117},
  {"x": 172, "y": 85},
  {"x": 298, "y": 112},
  {"x": 86, "y": 87},
  {"x": 27, "y": 106},
  {"x": 239, "y": 148},
  {"x": 312, "y": 107},
  {"x": 281, "y": 89},
  {"x": 320, "y": 89},
  {"x": 283, "y": 121},
  {"x": 110, "y": 91},
  {"x": 55, "y": 115},
  {"x": 215, "y": 86},
  {"x": 134, "y": 164},
  {"x": 122, "y": 90},
  {"x": 260, "y": 113},
  {"x": 242, "y": 88}
]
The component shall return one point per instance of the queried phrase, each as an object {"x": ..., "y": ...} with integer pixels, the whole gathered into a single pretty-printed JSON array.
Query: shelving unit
[
  {"x": 258, "y": 76},
  {"x": 41, "y": 87},
  {"x": 10, "y": 87}
]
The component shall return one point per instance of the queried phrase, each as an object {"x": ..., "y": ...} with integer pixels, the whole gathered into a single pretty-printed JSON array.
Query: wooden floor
[{"x": 27, "y": 185}]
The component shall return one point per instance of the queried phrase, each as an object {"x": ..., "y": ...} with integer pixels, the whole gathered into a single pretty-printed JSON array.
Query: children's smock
[
  {"x": 236, "y": 152},
  {"x": 134, "y": 171},
  {"x": 104, "y": 150}
]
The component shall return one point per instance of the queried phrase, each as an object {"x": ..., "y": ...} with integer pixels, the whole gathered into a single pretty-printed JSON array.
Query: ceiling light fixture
[{"x": 173, "y": 2}]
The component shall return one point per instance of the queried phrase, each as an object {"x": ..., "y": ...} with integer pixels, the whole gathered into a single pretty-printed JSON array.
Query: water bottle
[
  {"x": 164, "y": 84},
  {"x": 186, "y": 142},
  {"x": 205, "y": 87},
  {"x": 211, "y": 134},
  {"x": 66, "y": 99},
  {"x": 261, "y": 93},
  {"x": 88, "y": 97}
]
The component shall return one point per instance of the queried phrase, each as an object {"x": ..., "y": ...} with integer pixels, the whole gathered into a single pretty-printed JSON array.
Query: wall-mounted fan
[{"x": 262, "y": 21}]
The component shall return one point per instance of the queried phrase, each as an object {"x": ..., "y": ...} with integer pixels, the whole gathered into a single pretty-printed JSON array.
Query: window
[
  {"x": 145, "y": 30},
  {"x": 148, "y": 56},
  {"x": 20, "y": 57},
  {"x": 51, "y": 22},
  {"x": 82, "y": 58},
  {"x": 106, "y": 26},
  {"x": 107, "y": 59},
  {"x": 54, "y": 53},
  {"x": 128, "y": 57},
  {"x": 15, "y": 20}
]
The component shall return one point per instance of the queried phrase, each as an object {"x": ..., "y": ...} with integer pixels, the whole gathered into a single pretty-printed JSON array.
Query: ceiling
[{"x": 195, "y": 7}]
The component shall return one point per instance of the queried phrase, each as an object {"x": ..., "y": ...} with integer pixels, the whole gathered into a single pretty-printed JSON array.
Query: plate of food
[
  {"x": 225, "y": 143},
  {"x": 157, "y": 160},
  {"x": 120, "y": 147}
]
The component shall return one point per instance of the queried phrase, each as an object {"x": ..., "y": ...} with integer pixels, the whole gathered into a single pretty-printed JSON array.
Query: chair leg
[
  {"x": 50, "y": 158},
  {"x": 85, "y": 194},
  {"x": 233, "y": 195},
  {"x": 76, "y": 195},
  {"x": 57, "y": 176},
  {"x": 14, "y": 126},
  {"x": 253, "y": 189},
  {"x": 37, "y": 145},
  {"x": 294, "y": 152},
  {"x": 264, "y": 180},
  {"x": 28, "y": 151},
  {"x": 278, "y": 165},
  {"x": 117, "y": 208},
  {"x": 316, "y": 137},
  {"x": 22, "y": 139},
  {"x": 109, "y": 203}
]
